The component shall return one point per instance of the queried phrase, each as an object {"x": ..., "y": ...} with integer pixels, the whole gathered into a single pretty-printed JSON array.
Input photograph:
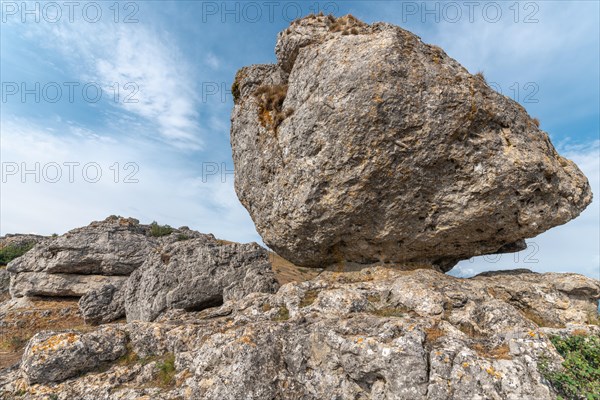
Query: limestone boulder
[{"x": 363, "y": 144}]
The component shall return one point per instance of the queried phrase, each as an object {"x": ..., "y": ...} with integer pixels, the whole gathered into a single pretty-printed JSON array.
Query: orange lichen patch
[
  {"x": 466, "y": 365},
  {"x": 56, "y": 342},
  {"x": 247, "y": 340},
  {"x": 360, "y": 340},
  {"x": 493, "y": 372}
]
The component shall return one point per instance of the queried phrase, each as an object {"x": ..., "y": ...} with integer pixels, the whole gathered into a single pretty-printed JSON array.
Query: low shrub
[
  {"x": 580, "y": 375},
  {"x": 157, "y": 230},
  {"x": 10, "y": 252}
]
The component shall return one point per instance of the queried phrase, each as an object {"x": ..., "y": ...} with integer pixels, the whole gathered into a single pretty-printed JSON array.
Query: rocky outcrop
[
  {"x": 102, "y": 305},
  {"x": 53, "y": 357},
  {"x": 375, "y": 333},
  {"x": 181, "y": 269},
  {"x": 12, "y": 246},
  {"x": 87, "y": 258},
  {"x": 371, "y": 146},
  {"x": 197, "y": 274},
  {"x": 4, "y": 281},
  {"x": 20, "y": 240}
]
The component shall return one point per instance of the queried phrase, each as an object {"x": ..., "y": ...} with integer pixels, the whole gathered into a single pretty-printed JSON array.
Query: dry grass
[
  {"x": 18, "y": 326},
  {"x": 347, "y": 24},
  {"x": 270, "y": 105},
  {"x": 434, "y": 333},
  {"x": 580, "y": 332},
  {"x": 286, "y": 272},
  {"x": 374, "y": 298},
  {"x": 539, "y": 320},
  {"x": 480, "y": 75},
  {"x": 536, "y": 122},
  {"x": 501, "y": 352},
  {"x": 469, "y": 330},
  {"x": 593, "y": 318},
  {"x": 309, "y": 297}
]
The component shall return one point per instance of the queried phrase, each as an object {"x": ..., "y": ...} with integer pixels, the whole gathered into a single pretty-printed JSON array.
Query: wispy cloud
[{"x": 156, "y": 83}]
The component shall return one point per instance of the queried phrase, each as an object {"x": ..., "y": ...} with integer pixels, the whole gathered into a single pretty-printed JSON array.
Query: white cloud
[
  {"x": 170, "y": 193},
  {"x": 155, "y": 81}
]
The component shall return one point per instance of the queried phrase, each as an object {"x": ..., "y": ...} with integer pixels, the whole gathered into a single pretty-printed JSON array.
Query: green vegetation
[
  {"x": 235, "y": 90},
  {"x": 166, "y": 371},
  {"x": 282, "y": 315},
  {"x": 10, "y": 252},
  {"x": 165, "y": 366},
  {"x": 183, "y": 236},
  {"x": 157, "y": 230},
  {"x": 580, "y": 376},
  {"x": 391, "y": 311},
  {"x": 309, "y": 297}
]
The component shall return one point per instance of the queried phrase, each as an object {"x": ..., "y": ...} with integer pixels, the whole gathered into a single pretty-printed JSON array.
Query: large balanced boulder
[
  {"x": 363, "y": 144},
  {"x": 196, "y": 274}
]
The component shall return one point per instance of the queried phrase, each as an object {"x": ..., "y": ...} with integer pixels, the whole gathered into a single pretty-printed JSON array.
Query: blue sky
[{"x": 171, "y": 63}]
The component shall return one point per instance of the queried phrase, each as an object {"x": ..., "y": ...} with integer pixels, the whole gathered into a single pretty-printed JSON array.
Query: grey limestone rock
[
  {"x": 51, "y": 356},
  {"x": 363, "y": 144},
  {"x": 197, "y": 274}
]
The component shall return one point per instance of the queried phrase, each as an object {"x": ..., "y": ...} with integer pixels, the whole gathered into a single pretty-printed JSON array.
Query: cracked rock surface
[
  {"x": 374, "y": 333},
  {"x": 369, "y": 145}
]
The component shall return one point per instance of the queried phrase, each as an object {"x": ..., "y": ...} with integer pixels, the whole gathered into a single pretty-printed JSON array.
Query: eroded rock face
[
  {"x": 377, "y": 333},
  {"x": 87, "y": 258},
  {"x": 102, "y": 305},
  {"x": 197, "y": 274},
  {"x": 115, "y": 246},
  {"x": 4, "y": 281},
  {"x": 51, "y": 357},
  {"x": 364, "y": 144}
]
